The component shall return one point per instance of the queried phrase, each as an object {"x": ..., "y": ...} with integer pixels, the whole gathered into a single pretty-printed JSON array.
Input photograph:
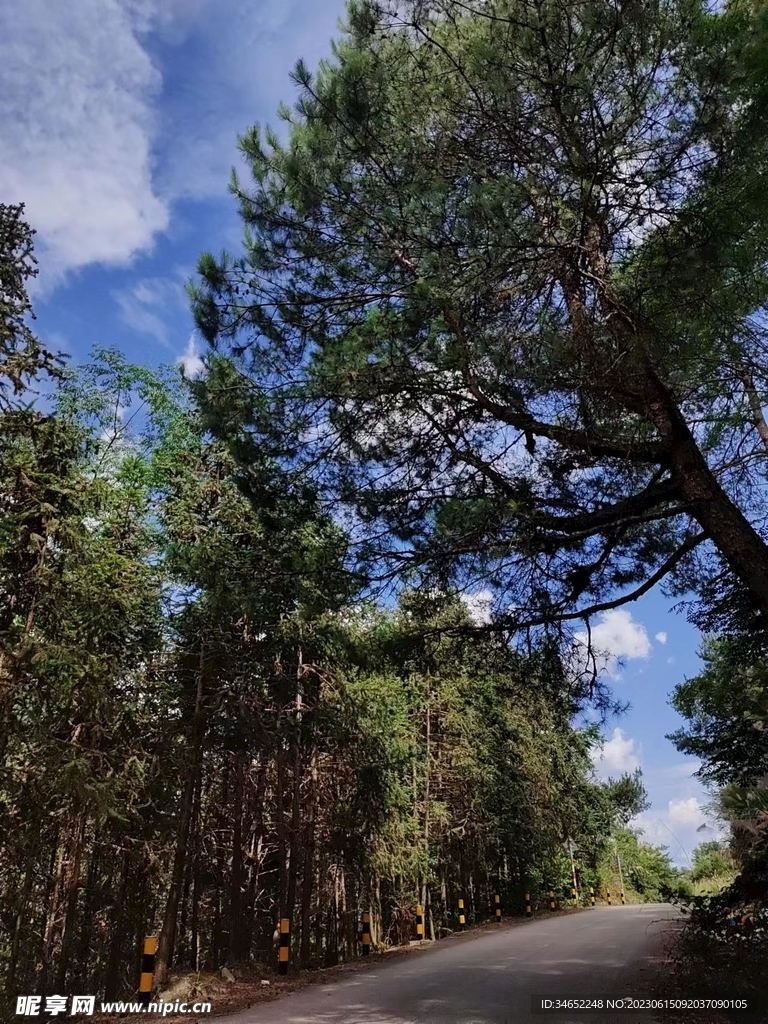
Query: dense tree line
[
  {"x": 208, "y": 724},
  {"x": 725, "y": 711}
]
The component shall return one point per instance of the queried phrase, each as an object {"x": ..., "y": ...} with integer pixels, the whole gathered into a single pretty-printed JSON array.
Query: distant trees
[
  {"x": 710, "y": 860},
  {"x": 725, "y": 707},
  {"x": 726, "y": 711},
  {"x": 646, "y": 871}
]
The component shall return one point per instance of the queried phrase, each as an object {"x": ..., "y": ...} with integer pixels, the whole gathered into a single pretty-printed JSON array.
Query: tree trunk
[
  {"x": 52, "y": 883},
  {"x": 323, "y": 902},
  {"x": 50, "y": 933},
  {"x": 294, "y": 856},
  {"x": 236, "y": 878},
  {"x": 341, "y": 924},
  {"x": 72, "y": 886},
  {"x": 308, "y": 868},
  {"x": 21, "y": 917},
  {"x": 167, "y": 938},
  {"x": 112, "y": 980},
  {"x": 425, "y": 901},
  {"x": 377, "y": 928},
  {"x": 87, "y": 947},
  {"x": 220, "y": 943},
  {"x": 444, "y": 897},
  {"x": 282, "y": 846},
  {"x": 194, "y": 922},
  {"x": 723, "y": 522}
]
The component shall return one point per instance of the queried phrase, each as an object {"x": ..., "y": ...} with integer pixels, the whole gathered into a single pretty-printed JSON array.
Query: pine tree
[{"x": 498, "y": 294}]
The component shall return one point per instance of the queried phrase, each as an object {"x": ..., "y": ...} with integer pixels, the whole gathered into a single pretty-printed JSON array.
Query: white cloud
[
  {"x": 661, "y": 637},
  {"x": 680, "y": 804},
  {"x": 479, "y": 606},
  {"x": 76, "y": 126},
  {"x": 113, "y": 109},
  {"x": 617, "y": 755},
  {"x": 670, "y": 661},
  {"x": 672, "y": 773},
  {"x": 622, "y": 637},
  {"x": 245, "y": 51},
  {"x": 685, "y": 812},
  {"x": 191, "y": 363},
  {"x": 145, "y": 305},
  {"x": 616, "y": 637},
  {"x": 677, "y": 827}
]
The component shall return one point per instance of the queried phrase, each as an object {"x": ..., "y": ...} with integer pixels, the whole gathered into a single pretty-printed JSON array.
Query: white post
[
  {"x": 621, "y": 876},
  {"x": 573, "y": 867}
]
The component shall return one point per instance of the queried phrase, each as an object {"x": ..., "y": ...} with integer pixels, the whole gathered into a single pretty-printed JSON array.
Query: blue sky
[{"x": 118, "y": 127}]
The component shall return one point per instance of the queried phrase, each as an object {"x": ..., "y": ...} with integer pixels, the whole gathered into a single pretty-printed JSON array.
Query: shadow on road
[{"x": 492, "y": 980}]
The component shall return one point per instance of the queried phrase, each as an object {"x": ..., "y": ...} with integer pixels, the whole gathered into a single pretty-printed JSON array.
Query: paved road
[{"x": 490, "y": 979}]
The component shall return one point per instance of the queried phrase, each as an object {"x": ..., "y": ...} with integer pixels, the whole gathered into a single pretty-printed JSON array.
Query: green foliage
[
  {"x": 725, "y": 711},
  {"x": 196, "y": 692},
  {"x": 501, "y": 309},
  {"x": 710, "y": 860},
  {"x": 628, "y": 796},
  {"x": 22, "y": 357},
  {"x": 725, "y": 705},
  {"x": 646, "y": 870}
]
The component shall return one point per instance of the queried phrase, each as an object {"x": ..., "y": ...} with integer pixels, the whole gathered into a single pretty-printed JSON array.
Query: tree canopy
[{"x": 500, "y": 295}]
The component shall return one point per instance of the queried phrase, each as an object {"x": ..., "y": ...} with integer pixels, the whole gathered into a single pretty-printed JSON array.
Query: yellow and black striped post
[
  {"x": 147, "y": 970},
  {"x": 574, "y": 896},
  {"x": 366, "y": 934},
  {"x": 552, "y": 904},
  {"x": 608, "y": 896},
  {"x": 462, "y": 918},
  {"x": 623, "y": 901},
  {"x": 497, "y": 908},
  {"x": 419, "y": 923},
  {"x": 528, "y": 907},
  {"x": 591, "y": 895},
  {"x": 284, "y": 952}
]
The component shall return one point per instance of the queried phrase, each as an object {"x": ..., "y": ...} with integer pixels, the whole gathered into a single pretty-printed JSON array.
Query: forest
[
  {"x": 207, "y": 726},
  {"x": 497, "y": 325}
]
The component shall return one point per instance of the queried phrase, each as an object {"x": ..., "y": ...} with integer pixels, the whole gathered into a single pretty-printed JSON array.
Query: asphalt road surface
[{"x": 490, "y": 979}]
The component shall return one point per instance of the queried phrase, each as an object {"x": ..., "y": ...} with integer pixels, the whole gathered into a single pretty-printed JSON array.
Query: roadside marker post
[
  {"x": 592, "y": 895},
  {"x": 285, "y": 945},
  {"x": 528, "y": 907},
  {"x": 462, "y": 918},
  {"x": 608, "y": 896},
  {"x": 497, "y": 908},
  {"x": 621, "y": 874},
  {"x": 366, "y": 934},
  {"x": 552, "y": 899},
  {"x": 575, "y": 889},
  {"x": 419, "y": 923},
  {"x": 147, "y": 969}
]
